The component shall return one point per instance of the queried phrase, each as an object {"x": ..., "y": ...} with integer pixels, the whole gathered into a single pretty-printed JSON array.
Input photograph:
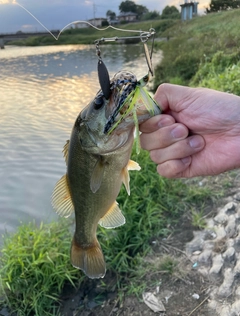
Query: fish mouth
[
  {"x": 122, "y": 85},
  {"x": 130, "y": 103}
]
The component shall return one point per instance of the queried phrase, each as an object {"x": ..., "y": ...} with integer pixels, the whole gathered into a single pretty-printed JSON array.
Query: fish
[{"x": 98, "y": 163}]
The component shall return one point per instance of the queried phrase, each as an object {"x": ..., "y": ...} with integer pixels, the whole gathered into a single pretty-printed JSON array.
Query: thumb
[{"x": 170, "y": 97}]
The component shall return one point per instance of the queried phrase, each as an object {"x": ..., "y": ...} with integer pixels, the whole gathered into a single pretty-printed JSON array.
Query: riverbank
[
  {"x": 149, "y": 253},
  {"x": 88, "y": 35}
]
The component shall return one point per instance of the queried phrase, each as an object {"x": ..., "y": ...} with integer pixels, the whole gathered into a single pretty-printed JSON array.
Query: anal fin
[
  {"x": 113, "y": 218},
  {"x": 88, "y": 259}
]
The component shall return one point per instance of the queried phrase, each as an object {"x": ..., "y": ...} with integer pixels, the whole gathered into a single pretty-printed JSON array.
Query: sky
[{"x": 55, "y": 14}]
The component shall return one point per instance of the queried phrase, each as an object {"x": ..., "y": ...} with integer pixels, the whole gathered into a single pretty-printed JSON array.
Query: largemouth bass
[{"x": 98, "y": 161}]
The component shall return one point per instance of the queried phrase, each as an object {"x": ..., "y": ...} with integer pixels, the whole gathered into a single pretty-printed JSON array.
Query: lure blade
[
  {"x": 148, "y": 58},
  {"x": 104, "y": 80}
]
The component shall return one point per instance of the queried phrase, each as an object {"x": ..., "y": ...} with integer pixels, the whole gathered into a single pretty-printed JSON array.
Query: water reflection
[{"x": 42, "y": 90}]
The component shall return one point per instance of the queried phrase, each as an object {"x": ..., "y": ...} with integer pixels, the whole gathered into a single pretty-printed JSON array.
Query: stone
[
  {"x": 220, "y": 231},
  {"x": 230, "y": 229},
  {"x": 235, "y": 310},
  {"x": 223, "y": 310},
  {"x": 225, "y": 288},
  {"x": 237, "y": 269},
  {"x": 229, "y": 208},
  {"x": 217, "y": 263},
  {"x": 221, "y": 218},
  {"x": 237, "y": 196},
  {"x": 237, "y": 292},
  {"x": 229, "y": 255},
  {"x": 205, "y": 257}
]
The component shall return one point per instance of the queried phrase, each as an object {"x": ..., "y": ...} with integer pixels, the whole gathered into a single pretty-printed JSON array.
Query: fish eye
[{"x": 98, "y": 103}]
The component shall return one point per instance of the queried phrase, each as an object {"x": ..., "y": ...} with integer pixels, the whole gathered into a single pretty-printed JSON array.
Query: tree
[
  {"x": 131, "y": 6},
  {"x": 222, "y": 5},
  {"x": 128, "y": 6},
  {"x": 111, "y": 15},
  {"x": 170, "y": 12},
  {"x": 151, "y": 15}
]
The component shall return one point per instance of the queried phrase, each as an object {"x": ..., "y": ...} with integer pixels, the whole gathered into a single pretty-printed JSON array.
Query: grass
[
  {"x": 34, "y": 268},
  {"x": 198, "y": 219},
  {"x": 89, "y": 35},
  {"x": 194, "y": 42},
  {"x": 35, "y": 263}
]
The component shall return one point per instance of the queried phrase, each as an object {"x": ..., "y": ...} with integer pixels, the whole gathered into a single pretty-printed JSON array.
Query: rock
[
  {"x": 230, "y": 229},
  {"x": 221, "y": 218},
  {"x": 216, "y": 268},
  {"x": 229, "y": 255},
  {"x": 237, "y": 196},
  {"x": 220, "y": 231},
  {"x": 225, "y": 288},
  {"x": 235, "y": 308},
  {"x": 229, "y": 208},
  {"x": 205, "y": 257}
]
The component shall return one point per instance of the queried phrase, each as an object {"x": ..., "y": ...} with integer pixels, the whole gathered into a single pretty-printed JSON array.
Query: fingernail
[
  {"x": 186, "y": 160},
  {"x": 178, "y": 132},
  {"x": 195, "y": 142},
  {"x": 164, "y": 121}
]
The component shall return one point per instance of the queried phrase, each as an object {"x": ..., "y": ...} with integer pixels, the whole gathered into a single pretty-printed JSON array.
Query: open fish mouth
[
  {"x": 122, "y": 85},
  {"x": 130, "y": 100}
]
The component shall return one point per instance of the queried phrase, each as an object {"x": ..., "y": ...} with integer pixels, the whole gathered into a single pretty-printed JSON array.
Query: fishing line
[{"x": 144, "y": 35}]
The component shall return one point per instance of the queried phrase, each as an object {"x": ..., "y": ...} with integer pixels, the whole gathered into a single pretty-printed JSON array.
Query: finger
[
  {"x": 179, "y": 150},
  {"x": 174, "y": 168},
  {"x": 156, "y": 122},
  {"x": 164, "y": 137},
  {"x": 172, "y": 97}
]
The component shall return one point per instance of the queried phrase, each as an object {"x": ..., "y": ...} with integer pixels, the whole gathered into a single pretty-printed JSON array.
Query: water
[{"x": 42, "y": 90}]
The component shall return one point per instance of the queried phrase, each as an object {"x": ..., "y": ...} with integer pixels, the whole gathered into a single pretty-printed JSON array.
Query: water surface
[{"x": 42, "y": 90}]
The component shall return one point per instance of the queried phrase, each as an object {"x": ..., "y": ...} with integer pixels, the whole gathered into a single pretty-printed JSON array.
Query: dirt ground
[
  {"x": 185, "y": 293},
  {"x": 176, "y": 292},
  {"x": 182, "y": 294}
]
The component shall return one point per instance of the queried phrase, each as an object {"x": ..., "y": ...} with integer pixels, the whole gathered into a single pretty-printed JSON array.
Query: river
[{"x": 42, "y": 90}]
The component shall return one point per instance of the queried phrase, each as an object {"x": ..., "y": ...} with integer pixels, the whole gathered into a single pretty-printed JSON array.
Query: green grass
[
  {"x": 89, "y": 35},
  {"x": 221, "y": 72},
  {"x": 34, "y": 266},
  {"x": 35, "y": 261},
  {"x": 193, "y": 42}
]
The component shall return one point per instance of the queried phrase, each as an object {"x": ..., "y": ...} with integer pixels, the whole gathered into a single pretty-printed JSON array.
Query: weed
[
  {"x": 35, "y": 266},
  {"x": 198, "y": 219}
]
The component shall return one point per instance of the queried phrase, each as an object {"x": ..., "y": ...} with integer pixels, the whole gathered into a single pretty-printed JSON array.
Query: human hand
[{"x": 199, "y": 134}]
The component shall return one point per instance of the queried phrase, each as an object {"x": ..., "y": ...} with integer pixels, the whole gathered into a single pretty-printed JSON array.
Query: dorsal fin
[
  {"x": 65, "y": 151},
  {"x": 113, "y": 218},
  {"x": 132, "y": 165},
  {"x": 61, "y": 198}
]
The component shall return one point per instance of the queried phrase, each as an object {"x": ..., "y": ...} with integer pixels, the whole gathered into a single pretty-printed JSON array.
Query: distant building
[
  {"x": 97, "y": 21},
  {"x": 79, "y": 25},
  {"x": 127, "y": 16},
  {"x": 188, "y": 10}
]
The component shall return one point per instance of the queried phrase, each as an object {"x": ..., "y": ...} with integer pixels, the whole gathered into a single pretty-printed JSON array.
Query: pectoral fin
[
  {"x": 113, "y": 218},
  {"x": 97, "y": 175},
  {"x": 132, "y": 165},
  {"x": 65, "y": 151},
  {"x": 61, "y": 198}
]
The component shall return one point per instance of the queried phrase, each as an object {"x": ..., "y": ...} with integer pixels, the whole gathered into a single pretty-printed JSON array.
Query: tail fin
[{"x": 90, "y": 260}]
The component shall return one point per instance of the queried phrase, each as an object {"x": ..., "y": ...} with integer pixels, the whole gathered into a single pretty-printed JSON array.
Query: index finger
[{"x": 156, "y": 122}]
